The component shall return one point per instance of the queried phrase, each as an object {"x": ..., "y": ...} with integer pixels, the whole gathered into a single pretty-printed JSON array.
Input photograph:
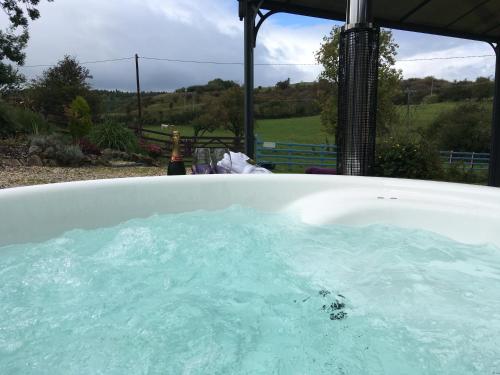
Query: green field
[
  {"x": 299, "y": 129},
  {"x": 309, "y": 129},
  {"x": 423, "y": 115}
]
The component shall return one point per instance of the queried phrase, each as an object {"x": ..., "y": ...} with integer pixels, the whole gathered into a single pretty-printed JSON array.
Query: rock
[
  {"x": 35, "y": 161},
  {"x": 107, "y": 154},
  {"x": 103, "y": 163},
  {"x": 11, "y": 163},
  {"x": 34, "y": 149},
  {"x": 49, "y": 152},
  {"x": 51, "y": 163},
  {"x": 142, "y": 159}
]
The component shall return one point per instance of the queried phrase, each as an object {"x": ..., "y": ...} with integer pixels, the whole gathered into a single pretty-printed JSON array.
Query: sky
[{"x": 210, "y": 30}]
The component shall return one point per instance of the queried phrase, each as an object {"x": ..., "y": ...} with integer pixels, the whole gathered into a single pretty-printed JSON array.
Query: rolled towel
[{"x": 237, "y": 163}]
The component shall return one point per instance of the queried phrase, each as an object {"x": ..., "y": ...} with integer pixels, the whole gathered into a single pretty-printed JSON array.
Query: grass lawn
[{"x": 299, "y": 130}]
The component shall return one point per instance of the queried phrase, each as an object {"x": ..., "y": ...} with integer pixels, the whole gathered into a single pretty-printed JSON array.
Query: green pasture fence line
[
  {"x": 297, "y": 156},
  {"x": 472, "y": 160}
]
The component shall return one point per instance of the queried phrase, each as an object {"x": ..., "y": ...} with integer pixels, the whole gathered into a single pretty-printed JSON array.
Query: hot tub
[
  {"x": 466, "y": 213},
  {"x": 250, "y": 274}
]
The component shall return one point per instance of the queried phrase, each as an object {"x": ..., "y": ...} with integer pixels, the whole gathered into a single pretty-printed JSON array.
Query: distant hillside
[
  {"x": 433, "y": 90},
  {"x": 180, "y": 107},
  {"x": 284, "y": 100}
]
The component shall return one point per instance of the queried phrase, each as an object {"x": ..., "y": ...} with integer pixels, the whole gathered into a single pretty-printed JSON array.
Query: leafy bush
[
  {"x": 115, "y": 136},
  {"x": 30, "y": 122},
  {"x": 88, "y": 148},
  {"x": 467, "y": 127},
  {"x": 461, "y": 172},
  {"x": 19, "y": 120},
  {"x": 407, "y": 159},
  {"x": 151, "y": 149},
  {"x": 80, "y": 118},
  {"x": 69, "y": 155},
  {"x": 8, "y": 122},
  {"x": 430, "y": 99}
]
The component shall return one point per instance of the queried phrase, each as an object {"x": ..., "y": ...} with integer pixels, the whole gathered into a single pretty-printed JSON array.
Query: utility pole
[
  {"x": 408, "y": 94},
  {"x": 139, "y": 104}
]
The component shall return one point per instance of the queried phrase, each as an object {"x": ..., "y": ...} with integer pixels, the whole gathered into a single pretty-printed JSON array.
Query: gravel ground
[{"x": 22, "y": 176}]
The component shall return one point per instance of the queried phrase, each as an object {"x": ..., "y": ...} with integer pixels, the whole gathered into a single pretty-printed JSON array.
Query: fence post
[
  {"x": 472, "y": 161},
  {"x": 451, "y": 157},
  {"x": 256, "y": 148}
]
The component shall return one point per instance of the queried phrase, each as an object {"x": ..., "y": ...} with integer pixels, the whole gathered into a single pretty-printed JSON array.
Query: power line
[
  {"x": 221, "y": 62},
  {"x": 213, "y": 62},
  {"x": 81, "y": 63},
  {"x": 304, "y": 64},
  {"x": 446, "y": 58}
]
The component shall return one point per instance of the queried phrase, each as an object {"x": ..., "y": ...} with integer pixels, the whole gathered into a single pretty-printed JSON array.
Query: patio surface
[{"x": 24, "y": 175}]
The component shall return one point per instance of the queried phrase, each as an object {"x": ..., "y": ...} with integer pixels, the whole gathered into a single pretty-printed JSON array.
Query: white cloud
[
  {"x": 451, "y": 68},
  {"x": 292, "y": 44},
  {"x": 206, "y": 30}
]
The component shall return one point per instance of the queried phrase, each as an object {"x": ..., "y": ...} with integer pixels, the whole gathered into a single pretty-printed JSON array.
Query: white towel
[{"x": 236, "y": 163}]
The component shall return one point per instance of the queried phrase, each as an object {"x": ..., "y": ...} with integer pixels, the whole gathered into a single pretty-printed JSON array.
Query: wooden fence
[{"x": 189, "y": 143}]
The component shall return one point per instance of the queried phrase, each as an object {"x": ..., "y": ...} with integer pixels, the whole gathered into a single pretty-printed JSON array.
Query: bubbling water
[{"x": 239, "y": 291}]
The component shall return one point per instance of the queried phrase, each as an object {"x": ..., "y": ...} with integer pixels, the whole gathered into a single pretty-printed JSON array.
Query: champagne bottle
[{"x": 176, "y": 164}]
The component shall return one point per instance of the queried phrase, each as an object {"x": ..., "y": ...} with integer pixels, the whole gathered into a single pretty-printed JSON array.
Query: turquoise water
[{"x": 243, "y": 292}]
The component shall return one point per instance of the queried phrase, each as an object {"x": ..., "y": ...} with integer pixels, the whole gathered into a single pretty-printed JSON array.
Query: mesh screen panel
[{"x": 357, "y": 105}]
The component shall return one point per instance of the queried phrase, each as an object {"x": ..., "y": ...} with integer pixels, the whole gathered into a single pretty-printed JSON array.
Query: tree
[
  {"x": 13, "y": 41},
  {"x": 209, "y": 119},
  {"x": 58, "y": 86},
  {"x": 232, "y": 101},
  {"x": 225, "y": 111},
  {"x": 19, "y": 13},
  {"x": 483, "y": 88},
  {"x": 79, "y": 118},
  {"x": 283, "y": 85},
  {"x": 388, "y": 80},
  {"x": 10, "y": 79},
  {"x": 467, "y": 127}
]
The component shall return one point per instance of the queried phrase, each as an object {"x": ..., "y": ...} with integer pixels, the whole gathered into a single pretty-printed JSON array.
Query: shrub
[
  {"x": 69, "y": 155},
  {"x": 15, "y": 120},
  {"x": 151, "y": 149},
  {"x": 115, "y": 136},
  {"x": 461, "y": 172},
  {"x": 80, "y": 118},
  {"x": 88, "y": 148},
  {"x": 407, "y": 159},
  {"x": 8, "y": 123},
  {"x": 30, "y": 122},
  {"x": 466, "y": 127},
  {"x": 430, "y": 99}
]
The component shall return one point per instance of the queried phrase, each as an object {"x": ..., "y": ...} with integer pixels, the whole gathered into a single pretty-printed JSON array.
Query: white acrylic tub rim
[{"x": 469, "y": 214}]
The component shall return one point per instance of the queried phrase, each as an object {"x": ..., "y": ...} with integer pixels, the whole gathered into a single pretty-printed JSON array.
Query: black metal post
[
  {"x": 139, "y": 104},
  {"x": 494, "y": 171},
  {"x": 357, "y": 97},
  {"x": 248, "y": 12}
]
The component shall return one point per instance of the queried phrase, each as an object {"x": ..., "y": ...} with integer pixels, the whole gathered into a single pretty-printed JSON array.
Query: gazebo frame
[{"x": 255, "y": 12}]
